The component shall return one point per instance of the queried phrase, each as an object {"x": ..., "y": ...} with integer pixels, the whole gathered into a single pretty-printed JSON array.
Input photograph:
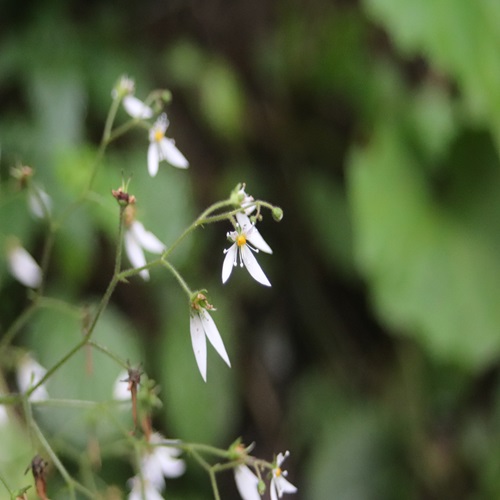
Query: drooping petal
[
  {"x": 199, "y": 344},
  {"x": 252, "y": 234},
  {"x": 24, "y": 268},
  {"x": 153, "y": 159},
  {"x": 213, "y": 335},
  {"x": 169, "y": 152},
  {"x": 247, "y": 483},
  {"x": 273, "y": 489},
  {"x": 135, "y": 254},
  {"x": 253, "y": 266},
  {"x": 39, "y": 203},
  {"x": 229, "y": 261},
  {"x": 146, "y": 239},
  {"x": 136, "y": 108},
  {"x": 284, "y": 486}
]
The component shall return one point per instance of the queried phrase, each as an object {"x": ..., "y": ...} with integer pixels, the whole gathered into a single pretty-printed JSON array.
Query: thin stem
[
  {"x": 213, "y": 481},
  {"x": 108, "y": 353},
  {"x": 2, "y": 480},
  {"x": 179, "y": 278},
  {"x": 20, "y": 321}
]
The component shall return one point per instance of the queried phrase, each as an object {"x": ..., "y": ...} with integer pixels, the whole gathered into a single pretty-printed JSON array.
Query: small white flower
[
  {"x": 279, "y": 484},
  {"x": 163, "y": 148},
  {"x": 132, "y": 105},
  {"x": 39, "y": 203},
  {"x": 137, "y": 239},
  {"x": 247, "y": 202},
  {"x": 201, "y": 324},
  {"x": 150, "y": 492},
  {"x": 247, "y": 483},
  {"x": 161, "y": 462},
  {"x": 246, "y": 232},
  {"x": 121, "y": 391},
  {"x": 23, "y": 267},
  {"x": 29, "y": 373}
]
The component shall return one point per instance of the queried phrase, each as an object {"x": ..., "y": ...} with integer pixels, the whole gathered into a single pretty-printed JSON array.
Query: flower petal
[
  {"x": 120, "y": 387},
  {"x": 146, "y": 239},
  {"x": 24, "y": 268},
  {"x": 135, "y": 254},
  {"x": 153, "y": 159},
  {"x": 246, "y": 482},
  {"x": 229, "y": 260},
  {"x": 29, "y": 373},
  {"x": 253, "y": 266},
  {"x": 213, "y": 335},
  {"x": 285, "y": 486},
  {"x": 252, "y": 234},
  {"x": 136, "y": 108},
  {"x": 39, "y": 203},
  {"x": 170, "y": 153},
  {"x": 273, "y": 488},
  {"x": 199, "y": 344}
]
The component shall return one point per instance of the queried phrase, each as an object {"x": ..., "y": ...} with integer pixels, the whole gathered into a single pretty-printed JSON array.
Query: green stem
[
  {"x": 2, "y": 480},
  {"x": 213, "y": 482},
  {"x": 20, "y": 321},
  {"x": 108, "y": 353},
  {"x": 178, "y": 277}
]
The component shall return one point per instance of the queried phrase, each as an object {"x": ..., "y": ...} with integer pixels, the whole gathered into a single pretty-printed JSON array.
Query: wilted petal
[
  {"x": 169, "y": 152},
  {"x": 24, "y": 268},
  {"x": 146, "y": 239},
  {"x": 252, "y": 234},
  {"x": 135, "y": 254},
  {"x": 153, "y": 159},
  {"x": 199, "y": 344},
  {"x": 213, "y": 335},
  {"x": 247, "y": 483},
  {"x": 229, "y": 260},
  {"x": 136, "y": 108},
  {"x": 253, "y": 266}
]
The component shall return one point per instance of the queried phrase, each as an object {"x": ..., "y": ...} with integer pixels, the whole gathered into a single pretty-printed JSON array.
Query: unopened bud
[{"x": 277, "y": 214}]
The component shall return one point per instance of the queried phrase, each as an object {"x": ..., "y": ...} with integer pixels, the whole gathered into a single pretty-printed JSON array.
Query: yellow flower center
[
  {"x": 159, "y": 135},
  {"x": 277, "y": 472},
  {"x": 241, "y": 240}
]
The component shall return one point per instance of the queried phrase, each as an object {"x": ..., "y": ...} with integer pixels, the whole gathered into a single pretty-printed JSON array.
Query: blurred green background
[{"x": 375, "y": 125}]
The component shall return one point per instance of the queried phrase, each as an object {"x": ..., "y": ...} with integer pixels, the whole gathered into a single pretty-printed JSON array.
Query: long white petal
[
  {"x": 199, "y": 344},
  {"x": 273, "y": 488},
  {"x": 146, "y": 239},
  {"x": 153, "y": 159},
  {"x": 39, "y": 203},
  {"x": 213, "y": 335},
  {"x": 136, "y": 108},
  {"x": 135, "y": 254},
  {"x": 169, "y": 152},
  {"x": 24, "y": 268},
  {"x": 252, "y": 234},
  {"x": 284, "y": 486},
  {"x": 228, "y": 264},
  {"x": 247, "y": 483},
  {"x": 253, "y": 266}
]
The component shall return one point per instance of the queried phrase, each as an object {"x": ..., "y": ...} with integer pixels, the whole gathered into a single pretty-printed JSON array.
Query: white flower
[
  {"x": 161, "y": 462},
  {"x": 163, "y": 148},
  {"x": 247, "y": 202},
  {"x": 39, "y": 203},
  {"x": 137, "y": 239},
  {"x": 23, "y": 267},
  {"x": 279, "y": 484},
  {"x": 29, "y": 373},
  {"x": 121, "y": 391},
  {"x": 150, "y": 492},
  {"x": 247, "y": 483},
  {"x": 201, "y": 324},
  {"x": 246, "y": 232},
  {"x": 133, "y": 106}
]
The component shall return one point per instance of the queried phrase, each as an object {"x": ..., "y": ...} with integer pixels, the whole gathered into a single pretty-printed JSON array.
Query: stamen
[
  {"x": 241, "y": 240},
  {"x": 159, "y": 134}
]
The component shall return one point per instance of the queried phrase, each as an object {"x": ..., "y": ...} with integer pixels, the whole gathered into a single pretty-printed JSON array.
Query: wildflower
[
  {"x": 247, "y": 483},
  {"x": 245, "y": 232},
  {"x": 29, "y": 373},
  {"x": 155, "y": 466},
  {"x": 132, "y": 105},
  {"x": 137, "y": 239},
  {"x": 201, "y": 324},
  {"x": 23, "y": 267},
  {"x": 163, "y": 148},
  {"x": 161, "y": 462},
  {"x": 246, "y": 201},
  {"x": 279, "y": 484},
  {"x": 136, "y": 493}
]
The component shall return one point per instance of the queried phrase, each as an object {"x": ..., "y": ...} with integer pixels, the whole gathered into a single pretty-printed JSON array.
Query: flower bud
[{"x": 277, "y": 214}]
